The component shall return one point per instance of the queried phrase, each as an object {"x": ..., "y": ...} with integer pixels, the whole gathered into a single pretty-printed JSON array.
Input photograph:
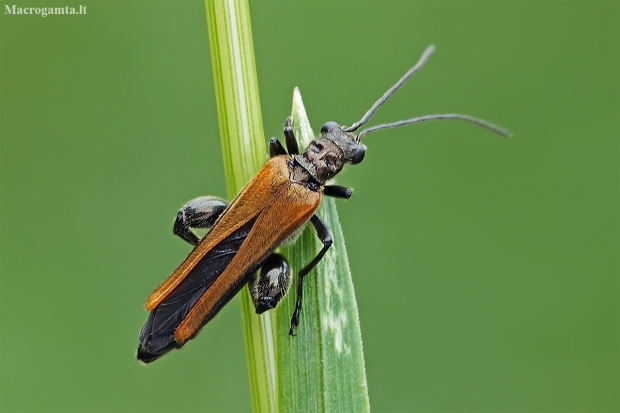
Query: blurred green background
[{"x": 486, "y": 269}]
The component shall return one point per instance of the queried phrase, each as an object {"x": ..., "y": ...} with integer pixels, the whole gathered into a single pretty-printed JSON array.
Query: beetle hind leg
[
  {"x": 201, "y": 212},
  {"x": 270, "y": 284},
  {"x": 325, "y": 236}
]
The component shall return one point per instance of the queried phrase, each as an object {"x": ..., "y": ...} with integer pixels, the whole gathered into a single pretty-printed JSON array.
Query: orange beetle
[{"x": 239, "y": 248}]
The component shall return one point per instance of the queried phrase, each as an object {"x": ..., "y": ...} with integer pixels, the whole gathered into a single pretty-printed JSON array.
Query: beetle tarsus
[{"x": 295, "y": 318}]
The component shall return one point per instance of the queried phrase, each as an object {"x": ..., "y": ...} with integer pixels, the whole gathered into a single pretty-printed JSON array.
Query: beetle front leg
[
  {"x": 289, "y": 136},
  {"x": 276, "y": 148},
  {"x": 326, "y": 238},
  {"x": 201, "y": 212}
]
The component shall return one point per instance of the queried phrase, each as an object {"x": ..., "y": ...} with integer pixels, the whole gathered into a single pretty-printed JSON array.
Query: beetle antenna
[
  {"x": 427, "y": 53},
  {"x": 477, "y": 121}
]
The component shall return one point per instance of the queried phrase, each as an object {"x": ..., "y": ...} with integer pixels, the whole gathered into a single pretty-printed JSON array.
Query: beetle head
[
  {"x": 325, "y": 156},
  {"x": 352, "y": 150}
]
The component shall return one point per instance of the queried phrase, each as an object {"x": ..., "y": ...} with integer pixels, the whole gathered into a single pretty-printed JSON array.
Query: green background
[{"x": 486, "y": 269}]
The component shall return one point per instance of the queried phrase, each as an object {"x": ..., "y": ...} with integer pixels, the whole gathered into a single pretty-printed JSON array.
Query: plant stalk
[{"x": 321, "y": 368}]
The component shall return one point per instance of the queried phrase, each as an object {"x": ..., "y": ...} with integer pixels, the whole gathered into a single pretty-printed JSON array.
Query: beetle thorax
[{"x": 323, "y": 159}]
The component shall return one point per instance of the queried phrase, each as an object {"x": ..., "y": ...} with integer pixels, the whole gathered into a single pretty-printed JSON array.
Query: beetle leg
[
  {"x": 201, "y": 212},
  {"x": 326, "y": 238},
  {"x": 337, "y": 191},
  {"x": 289, "y": 135},
  {"x": 276, "y": 148},
  {"x": 268, "y": 288}
]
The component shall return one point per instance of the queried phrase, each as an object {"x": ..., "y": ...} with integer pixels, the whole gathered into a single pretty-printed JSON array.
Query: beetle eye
[
  {"x": 358, "y": 155},
  {"x": 328, "y": 126}
]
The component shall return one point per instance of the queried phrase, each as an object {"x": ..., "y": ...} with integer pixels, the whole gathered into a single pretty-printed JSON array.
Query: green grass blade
[
  {"x": 322, "y": 368},
  {"x": 244, "y": 151}
]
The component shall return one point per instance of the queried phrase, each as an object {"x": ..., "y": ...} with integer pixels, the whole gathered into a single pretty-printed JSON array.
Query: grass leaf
[{"x": 322, "y": 367}]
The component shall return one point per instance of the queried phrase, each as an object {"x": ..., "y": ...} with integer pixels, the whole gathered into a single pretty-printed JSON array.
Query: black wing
[{"x": 157, "y": 334}]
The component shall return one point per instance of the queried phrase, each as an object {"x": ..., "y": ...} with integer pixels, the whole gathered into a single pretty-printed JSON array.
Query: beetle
[{"x": 239, "y": 248}]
